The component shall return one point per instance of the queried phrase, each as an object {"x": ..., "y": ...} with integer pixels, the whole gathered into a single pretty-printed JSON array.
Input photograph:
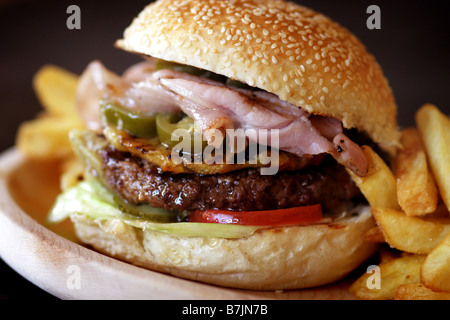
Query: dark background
[{"x": 413, "y": 48}]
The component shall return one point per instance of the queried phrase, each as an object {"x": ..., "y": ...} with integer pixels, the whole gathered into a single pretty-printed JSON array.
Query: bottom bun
[{"x": 271, "y": 259}]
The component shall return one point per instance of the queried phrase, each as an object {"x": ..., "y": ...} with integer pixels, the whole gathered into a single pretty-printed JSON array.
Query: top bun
[{"x": 296, "y": 53}]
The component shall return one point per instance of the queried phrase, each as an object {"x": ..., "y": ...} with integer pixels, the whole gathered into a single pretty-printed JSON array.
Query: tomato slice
[{"x": 279, "y": 217}]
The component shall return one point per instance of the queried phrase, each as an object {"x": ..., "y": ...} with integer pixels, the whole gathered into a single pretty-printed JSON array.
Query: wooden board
[{"x": 51, "y": 258}]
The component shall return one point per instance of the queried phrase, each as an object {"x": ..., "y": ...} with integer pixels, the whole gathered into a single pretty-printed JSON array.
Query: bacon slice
[
  {"x": 218, "y": 107},
  {"x": 146, "y": 95},
  {"x": 215, "y": 106}
]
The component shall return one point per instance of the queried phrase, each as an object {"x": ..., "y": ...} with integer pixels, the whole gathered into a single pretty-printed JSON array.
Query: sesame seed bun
[
  {"x": 286, "y": 49},
  {"x": 273, "y": 259},
  {"x": 304, "y": 58}
]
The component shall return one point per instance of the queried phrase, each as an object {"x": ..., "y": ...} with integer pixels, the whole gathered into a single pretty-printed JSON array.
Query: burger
[{"x": 166, "y": 186}]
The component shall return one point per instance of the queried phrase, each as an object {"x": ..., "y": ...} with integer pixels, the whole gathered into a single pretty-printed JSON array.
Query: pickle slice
[
  {"x": 173, "y": 128},
  {"x": 135, "y": 123}
]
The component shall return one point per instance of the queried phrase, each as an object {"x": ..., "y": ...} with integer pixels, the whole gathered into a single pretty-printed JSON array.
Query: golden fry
[
  {"x": 56, "y": 88},
  {"x": 378, "y": 186},
  {"x": 416, "y": 190},
  {"x": 374, "y": 235},
  {"x": 434, "y": 129},
  {"x": 387, "y": 254},
  {"x": 411, "y": 234},
  {"x": 46, "y": 137},
  {"x": 72, "y": 172},
  {"x": 436, "y": 268},
  {"x": 418, "y": 291},
  {"x": 392, "y": 274}
]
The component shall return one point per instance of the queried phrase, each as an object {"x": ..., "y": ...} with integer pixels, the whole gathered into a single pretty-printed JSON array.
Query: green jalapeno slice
[
  {"x": 135, "y": 123},
  {"x": 166, "y": 126}
]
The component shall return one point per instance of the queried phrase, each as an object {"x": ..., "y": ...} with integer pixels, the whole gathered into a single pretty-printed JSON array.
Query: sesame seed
[
  {"x": 288, "y": 89},
  {"x": 346, "y": 83}
]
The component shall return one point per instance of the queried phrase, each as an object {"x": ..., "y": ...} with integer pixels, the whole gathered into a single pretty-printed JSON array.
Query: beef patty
[{"x": 139, "y": 182}]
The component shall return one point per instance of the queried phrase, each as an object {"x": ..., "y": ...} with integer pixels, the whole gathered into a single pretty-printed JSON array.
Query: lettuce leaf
[{"x": 92, "y": 199}]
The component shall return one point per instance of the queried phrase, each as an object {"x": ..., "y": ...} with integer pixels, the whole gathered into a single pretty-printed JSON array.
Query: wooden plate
[{"x": 51, "y": 258}]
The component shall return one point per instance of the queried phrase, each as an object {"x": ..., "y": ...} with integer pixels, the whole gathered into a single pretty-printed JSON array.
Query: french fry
[
  {"x": 434, "y": 129},
  {"x": 72, "y": 172},
  {"x": 374, "y": 235},
  {"x": 387, "y": 254},
  {"x": 393, "y": 273},
  {"x": 416, "y": 190},
  {"x": 46, "y": 137},
  {"x": 411, "y": 234},
  {"x": 418, "y": 291},
  {"x": 378, "y": 186},
  {"x": 56, "y": 88},
  {"x": 409, "y": 214},
  {"x": 435, "y": 272}
]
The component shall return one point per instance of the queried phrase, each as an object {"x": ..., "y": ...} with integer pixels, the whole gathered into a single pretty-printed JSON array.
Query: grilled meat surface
[{"x": 138, "y": 181}]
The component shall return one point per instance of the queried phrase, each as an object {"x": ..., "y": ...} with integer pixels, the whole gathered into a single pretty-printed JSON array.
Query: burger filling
[
  {"x": 216, "y": 106},
  {"x": 140, "y": 182},
  {"x": 129, "y": 146}
]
